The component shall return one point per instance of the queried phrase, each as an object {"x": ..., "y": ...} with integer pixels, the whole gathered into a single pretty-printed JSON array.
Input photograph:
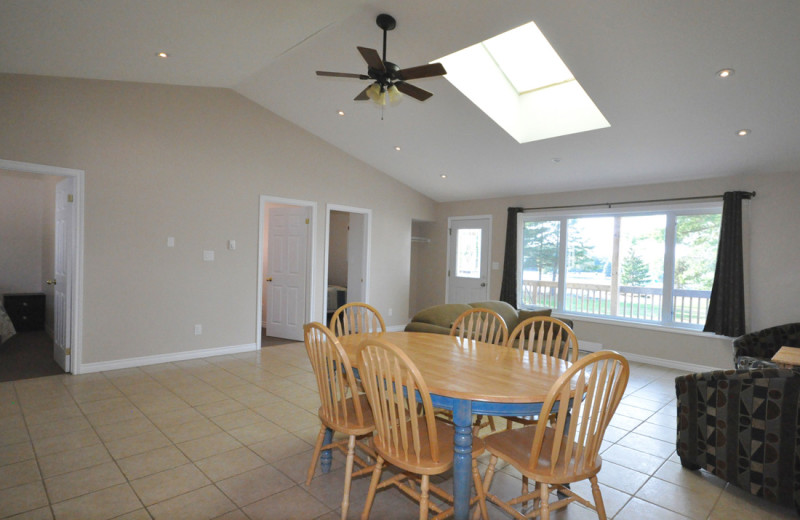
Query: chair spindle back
[
  {"x": 357, "y": 318},
  {"x": 480, "y": 325}
]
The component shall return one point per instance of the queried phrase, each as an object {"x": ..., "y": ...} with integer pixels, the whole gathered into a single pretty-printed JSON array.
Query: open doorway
[
  {"x": 42, "y": 271},
  {"x": 286, "y": 241},
  {"x": 347, "y": 246}
]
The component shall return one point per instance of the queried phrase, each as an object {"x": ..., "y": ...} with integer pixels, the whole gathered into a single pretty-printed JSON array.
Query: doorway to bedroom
[{"x": 346, "y": 257}]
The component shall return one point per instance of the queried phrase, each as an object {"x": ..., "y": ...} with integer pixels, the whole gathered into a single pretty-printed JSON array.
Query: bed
[{"x": 6, "y": 327}]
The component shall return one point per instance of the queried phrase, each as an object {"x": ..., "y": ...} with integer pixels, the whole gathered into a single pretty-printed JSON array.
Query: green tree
[
  {"x": 696, "y": 238},
  {"x": 540, "y": 241},
  {"x": 635, "y": 271}
]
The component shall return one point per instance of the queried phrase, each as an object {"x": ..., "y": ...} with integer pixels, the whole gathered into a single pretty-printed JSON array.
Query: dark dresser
[{"x": 26, "y": 310}]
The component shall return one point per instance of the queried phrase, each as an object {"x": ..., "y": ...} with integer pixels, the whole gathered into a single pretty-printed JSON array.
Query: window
[
  {"x": 650, "y": 265},
  {"x": 468, "y": 254}
]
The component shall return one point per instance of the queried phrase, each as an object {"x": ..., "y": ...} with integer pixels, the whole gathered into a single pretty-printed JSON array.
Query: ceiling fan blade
[
  {"x": 423, "y": 71},
  {"x": 411, "y": 90},
  {"x": 362, "y": 96},
  {"x": 342, "y": 74},
  {"x": 372, "y": 58}
]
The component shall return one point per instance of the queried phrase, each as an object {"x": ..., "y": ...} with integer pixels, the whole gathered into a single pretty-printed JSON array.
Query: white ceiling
[{"x": 649, "y": 65}]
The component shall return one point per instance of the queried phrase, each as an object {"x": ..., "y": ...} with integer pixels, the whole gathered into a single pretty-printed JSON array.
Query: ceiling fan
[{"x": 388, "y": 79}]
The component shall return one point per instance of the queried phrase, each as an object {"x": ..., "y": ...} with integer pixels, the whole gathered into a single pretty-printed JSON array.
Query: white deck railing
[{"x": 638, "y": 303}]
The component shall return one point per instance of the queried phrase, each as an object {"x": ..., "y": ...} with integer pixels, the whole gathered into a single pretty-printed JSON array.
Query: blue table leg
[
  {"x": 326, "y": 456},
  {"x": 462, "y": 462}
]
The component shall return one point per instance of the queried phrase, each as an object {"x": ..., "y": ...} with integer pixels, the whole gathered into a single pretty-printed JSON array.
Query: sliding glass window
[{"x": 650, "y": 265}]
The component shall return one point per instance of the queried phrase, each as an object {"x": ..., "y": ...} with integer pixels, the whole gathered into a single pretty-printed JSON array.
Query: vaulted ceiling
[{"x": 650, "y": 66}]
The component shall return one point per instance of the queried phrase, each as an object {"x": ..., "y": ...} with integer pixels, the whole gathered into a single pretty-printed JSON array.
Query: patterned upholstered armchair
[
  {"x": 744, "y": 427},
  {"x": 754, "y": 350}
]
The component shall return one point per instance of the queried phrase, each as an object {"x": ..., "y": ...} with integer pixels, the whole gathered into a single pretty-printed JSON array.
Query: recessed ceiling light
[
  {"x": 743, "y": 132},
  {"x": 340, "y": 112},
  {"x": 397, "y": 148},
  {"x": 725, "y": 73},
  {"x": 162, "y": 55},
  {"x": 443, "y": 176}
]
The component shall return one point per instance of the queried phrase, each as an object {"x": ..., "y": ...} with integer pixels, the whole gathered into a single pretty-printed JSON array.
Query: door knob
[
  {"x": 50, "y": 282},
  {"x": 268, "y": 279},
  {"x": 483, "y": 284}
]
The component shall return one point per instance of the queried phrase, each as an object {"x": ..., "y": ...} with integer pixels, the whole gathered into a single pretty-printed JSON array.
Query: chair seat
[
  {"x": 514, "y": 446},
  {"x": 426, "y": 465},
  {"x": 350, "y": 426}
]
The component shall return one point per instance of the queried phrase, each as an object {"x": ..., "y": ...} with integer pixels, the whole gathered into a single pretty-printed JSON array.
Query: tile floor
[{"x": 230, "y": 437}]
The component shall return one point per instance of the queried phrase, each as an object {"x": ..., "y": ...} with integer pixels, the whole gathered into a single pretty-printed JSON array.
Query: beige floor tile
[
  {"x": 12, "y": 453},
  {"x": 152, "y": 462},
  {"x": 200, "y": 504},
  {"x": 295, "y": 502},
  {"x": 105, "y": 405},
  {"x": 100, "y": 505},
  {"x": 638, "y": 509},
  {"x": 12, "y": 475},
  {"x": 205, "y": 447},
  {"x": 230, "y": 463},
  {"x": 51, "y": 429},
  {"x": 73, "y": 460},
  {"x": 220, "y": 407},
  {"x": 691, "y": 502},
  {"x": 664, "y": 433},
  {"x": 125, "y": 429},
  {"x": 257, "y": 432},
  {"x": 43, "y": 513},
  {"x": 737, "y": 504},
  {"x": 191, "y": 430},
  {"x": 76, "y": 483},
  {"x": 254, "y": 485},
  {"x": 139, "y": 514},
  {"x": 168, "y": 484},
  {"x": 237, "y": 419},
  {"x": 61, "y": 414},
  {"x": 137, "y": 444},
  {"x": 280, "y": 446},
  {"x": 125, "y": 413},
  {"x": 633, "y": 459},
  {"x": 700, "y": 479},
  {"x": 175, "y": 417},
  {"x": 648, "y": 445},
  {"x": 22, "y": 498},
  {"x": 633, "y": 411},
  {"x": 66, "y": 442},
  {"x": 621, "y": 478}
]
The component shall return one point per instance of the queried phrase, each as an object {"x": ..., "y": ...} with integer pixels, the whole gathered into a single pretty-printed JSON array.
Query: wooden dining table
[{"x": 468, "y": 377}]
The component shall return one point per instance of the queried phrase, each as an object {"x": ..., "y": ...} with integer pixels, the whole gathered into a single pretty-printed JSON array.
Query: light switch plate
[
  {"x": 495, "y": 266},
  {"x": 170, "y": 241},
  {"x": 232, "y": 244},
  {"x": 208, "y": 256}
]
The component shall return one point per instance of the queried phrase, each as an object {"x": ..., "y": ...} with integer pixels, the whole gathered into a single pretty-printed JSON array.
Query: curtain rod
[{"x": 750, "y": 194}]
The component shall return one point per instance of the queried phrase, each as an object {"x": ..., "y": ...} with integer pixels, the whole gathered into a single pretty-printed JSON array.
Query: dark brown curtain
[
  {"x": 726, "y": 307},
  {"x": 508, "y": 288}
]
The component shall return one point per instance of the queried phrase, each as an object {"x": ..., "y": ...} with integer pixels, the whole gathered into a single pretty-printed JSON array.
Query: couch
[
  {"x": 439, "y": 318},
  {"x": 754, "y": 350},
  {"x": 744, "y": 427}
]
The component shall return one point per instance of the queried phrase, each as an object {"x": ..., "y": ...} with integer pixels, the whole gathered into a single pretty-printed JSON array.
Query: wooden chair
[
  {"x": 568, "y": 451},
  {"x": 357, "y": 318},
  {"x": 543, "y": 335},
  {"x": 481, "y": 325},
  {"x": 407, "y": 436},
  {"x": 343, "y": 409}
]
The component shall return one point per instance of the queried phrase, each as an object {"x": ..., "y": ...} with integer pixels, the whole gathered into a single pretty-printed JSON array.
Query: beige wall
[
  {"x": 773, "y": 246},
  {"x": 191, "y": 163}
]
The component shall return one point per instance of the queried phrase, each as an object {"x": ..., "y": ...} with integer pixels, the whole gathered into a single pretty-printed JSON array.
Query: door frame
[
  {"x": 367, "y": 248},
  {"x": 450, "y": 221},
  {"x": 76, "y": 273},
  {"x": 310, "y": 255}
]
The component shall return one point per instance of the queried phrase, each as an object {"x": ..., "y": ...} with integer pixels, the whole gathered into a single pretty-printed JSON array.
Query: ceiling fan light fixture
[
  {"x": 394, "y": 95},
  {"x": 375, "y": 93}
]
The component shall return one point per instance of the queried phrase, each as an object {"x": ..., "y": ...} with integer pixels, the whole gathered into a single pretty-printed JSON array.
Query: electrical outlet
[
  {"x": 208, "y": 256},
  {"x": 170, "y": 241},
  {"x": 390, "y": 312},
  {"x": 232, "y": 245},
  {"x": 198, "y": 329}
]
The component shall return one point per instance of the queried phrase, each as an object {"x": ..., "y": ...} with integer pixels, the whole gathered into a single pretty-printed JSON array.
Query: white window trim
[{"x": 670, "y": 209}]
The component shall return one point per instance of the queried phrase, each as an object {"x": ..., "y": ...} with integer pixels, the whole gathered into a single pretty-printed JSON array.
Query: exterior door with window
[{"x": 468, "y": 252}]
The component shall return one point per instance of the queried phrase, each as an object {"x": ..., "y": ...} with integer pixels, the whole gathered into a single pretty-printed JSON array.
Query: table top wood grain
[
  {"x": 467, "y": 369},
  {"x": 787, "y": 356}
]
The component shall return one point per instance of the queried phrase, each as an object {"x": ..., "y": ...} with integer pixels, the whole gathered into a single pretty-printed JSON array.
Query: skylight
[{"x": 518, "y": 80}]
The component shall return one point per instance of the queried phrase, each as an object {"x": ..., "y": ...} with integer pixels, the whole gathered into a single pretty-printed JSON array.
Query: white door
[
  {"x": 62, "y": 292},
  {"x": 356, "y": 258},
  {"x": 287, "y": 257},
  {"x": 468, "y": 250}
]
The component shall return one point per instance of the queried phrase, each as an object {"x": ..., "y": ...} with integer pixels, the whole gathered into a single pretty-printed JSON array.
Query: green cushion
[
  {"x": 506, "y": 311},
  {"x": 441, "y": 315}
]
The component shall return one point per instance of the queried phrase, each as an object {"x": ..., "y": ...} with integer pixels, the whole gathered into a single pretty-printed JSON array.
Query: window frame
[{"x": 671, "y": 210}]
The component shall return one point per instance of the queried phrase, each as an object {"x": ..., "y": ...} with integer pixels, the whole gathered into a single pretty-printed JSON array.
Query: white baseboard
[
  {"x": 590, "y": 346},
  {"x": 117, "y": 364}
]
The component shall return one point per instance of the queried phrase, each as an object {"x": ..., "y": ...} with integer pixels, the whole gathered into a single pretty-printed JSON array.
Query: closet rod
[{"x": 750, "y": 194}]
